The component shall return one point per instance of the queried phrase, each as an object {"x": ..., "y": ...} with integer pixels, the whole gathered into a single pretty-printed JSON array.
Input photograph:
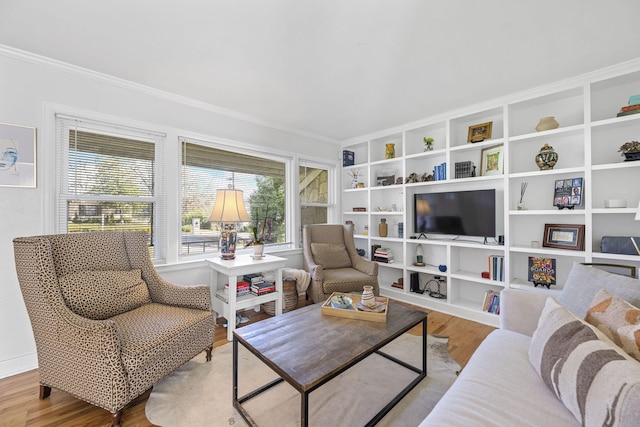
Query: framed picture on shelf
[
  {"x": 17, "y": 156},
  {"x": 568, "y": 193},
  {"x": 385, "y": 177},
  {"x": 564, "y": 236},
  {"x": 542, "y": 271},
  {"x": 492, "y": 160},
  {"x": 478, "y": 133}
]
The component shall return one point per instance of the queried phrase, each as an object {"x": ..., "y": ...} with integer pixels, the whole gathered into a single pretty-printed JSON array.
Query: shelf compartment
[
  {"x": 566, "y": 106},
  {"x": 423, "y": 165},
  {"x": 569, "y": 146},
  {"x": 378, "y": 145},
  {"x": 526, "y": 229},
  {"x": 620, "y": 225},
  {"x": 414, "y": 138},
  {"x": 360, "y": 151},
  {"x": 539, "y": 195},
  {"x": 460, "y": 125},
  {"x": 609, "y": 95},
  {"x": 607, "y": 139},
  {"x": 519, "y": 266},
  {"x": 620, "y": 183},
  {"x": 470, "y": 295}
]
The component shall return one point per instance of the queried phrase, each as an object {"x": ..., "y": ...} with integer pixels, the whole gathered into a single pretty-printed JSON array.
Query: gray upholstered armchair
[
  {"x": 331, "y": 258},
  {"x": 106, "y": 325}
]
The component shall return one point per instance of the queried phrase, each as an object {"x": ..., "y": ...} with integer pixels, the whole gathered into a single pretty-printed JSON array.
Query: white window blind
[{"x": 109, "y": 178}]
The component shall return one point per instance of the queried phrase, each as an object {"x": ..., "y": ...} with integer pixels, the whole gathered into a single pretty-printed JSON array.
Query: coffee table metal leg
[{"x": 304, "y": 409}]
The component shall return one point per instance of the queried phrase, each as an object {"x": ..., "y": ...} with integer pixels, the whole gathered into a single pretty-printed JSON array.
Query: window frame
[
  {"x": 332, "y": 214},
  {"x": 291, "y": 218},
  {"x": 62, "y": 124}
]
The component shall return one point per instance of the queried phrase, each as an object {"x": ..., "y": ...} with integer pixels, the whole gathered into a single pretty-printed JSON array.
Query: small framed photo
[
  {"x": 492, "y": 160},
  {"x": 478, "y": 133},
  {"x": 564, "y": 236},
  {"x": 568, "y": 193},
  {"x": 17, "y": 156}
]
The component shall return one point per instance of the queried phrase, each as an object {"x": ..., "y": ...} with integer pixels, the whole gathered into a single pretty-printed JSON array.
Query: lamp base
[{"x": 228, "y": 241}]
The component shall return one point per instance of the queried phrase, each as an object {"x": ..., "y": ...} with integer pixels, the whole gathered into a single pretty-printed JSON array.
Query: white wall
[{"x": 29, "y": 87}]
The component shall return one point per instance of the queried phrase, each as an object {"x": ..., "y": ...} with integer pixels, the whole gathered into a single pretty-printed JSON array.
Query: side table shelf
[{"x": 230, "y": 303}]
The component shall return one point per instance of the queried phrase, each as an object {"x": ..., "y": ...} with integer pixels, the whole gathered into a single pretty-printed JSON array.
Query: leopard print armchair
[
  {"x": 106, "y": 325},
  {"x": 330, "y": 256}
]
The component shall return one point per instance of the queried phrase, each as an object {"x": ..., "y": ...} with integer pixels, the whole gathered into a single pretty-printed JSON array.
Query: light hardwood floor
[{"x": 20, "y": 406}]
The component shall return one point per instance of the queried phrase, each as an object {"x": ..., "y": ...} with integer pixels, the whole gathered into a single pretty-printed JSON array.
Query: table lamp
[{"x": 228, "y": 210}]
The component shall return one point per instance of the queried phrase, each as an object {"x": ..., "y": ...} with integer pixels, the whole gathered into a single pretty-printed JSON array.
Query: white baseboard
[{"x": 18, "y": 365}]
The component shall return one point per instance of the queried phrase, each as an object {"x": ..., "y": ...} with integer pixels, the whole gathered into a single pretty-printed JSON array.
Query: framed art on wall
[
  {"x": 564, "y": 236},
  {"x": 492, "y": 161},
  {"x": 17, "y": 156}
]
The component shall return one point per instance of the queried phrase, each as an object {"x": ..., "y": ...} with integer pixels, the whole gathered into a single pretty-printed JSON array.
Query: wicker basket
[{"x": 290, "y": 299}]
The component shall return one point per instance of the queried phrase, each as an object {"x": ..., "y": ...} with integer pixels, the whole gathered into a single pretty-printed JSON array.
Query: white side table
[{"x": 227, "y": 304}]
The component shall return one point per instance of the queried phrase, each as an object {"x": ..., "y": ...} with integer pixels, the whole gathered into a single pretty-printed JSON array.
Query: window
[
  {"x": 314, "y": 193},
  {"x": 262, "y": 179},
  {"x": 108, "y": 179}
]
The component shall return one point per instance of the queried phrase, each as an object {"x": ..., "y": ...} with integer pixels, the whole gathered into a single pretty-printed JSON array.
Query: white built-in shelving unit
[{"x": 587, "y": 143}]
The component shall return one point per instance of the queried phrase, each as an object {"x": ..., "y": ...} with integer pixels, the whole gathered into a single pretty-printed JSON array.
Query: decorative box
[{"x": 465, "y": 170}]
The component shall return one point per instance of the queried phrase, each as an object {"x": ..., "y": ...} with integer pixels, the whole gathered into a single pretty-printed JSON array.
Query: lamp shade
[{"x": 229, "y": 207}]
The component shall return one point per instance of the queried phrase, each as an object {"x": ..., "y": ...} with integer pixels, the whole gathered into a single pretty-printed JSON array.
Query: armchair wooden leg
[
  {"x": 44, "y": 391},
  {"x": 116, "y": 417},
  {"x": 209, "y": 349}
]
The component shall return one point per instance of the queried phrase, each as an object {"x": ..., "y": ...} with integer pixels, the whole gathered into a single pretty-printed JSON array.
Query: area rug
[{"x": 200, "y": 394}]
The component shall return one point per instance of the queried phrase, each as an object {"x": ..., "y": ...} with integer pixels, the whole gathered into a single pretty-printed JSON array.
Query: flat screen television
[{"x": 462, "y": 213}]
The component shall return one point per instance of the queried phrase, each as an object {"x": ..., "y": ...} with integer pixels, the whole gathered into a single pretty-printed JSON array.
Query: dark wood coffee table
[{"x": 307, "y": 349}]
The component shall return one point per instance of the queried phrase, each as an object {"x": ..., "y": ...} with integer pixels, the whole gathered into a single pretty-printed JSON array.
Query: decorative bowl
[
  {"x": 341, "y": 301},
  {"x": 615, "y": 203}
]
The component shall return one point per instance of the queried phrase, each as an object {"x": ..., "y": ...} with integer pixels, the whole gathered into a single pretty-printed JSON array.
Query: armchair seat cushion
[
  {"x": 345, "y": 280},
  {"x": 153, "y": 332}
]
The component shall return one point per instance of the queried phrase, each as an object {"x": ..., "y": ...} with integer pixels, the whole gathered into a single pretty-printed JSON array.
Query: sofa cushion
[
  {"x": 499, "y": 387},
  {"x": 593, "y": 378},
  {"x": 330, "y": 255},
  {"x": 618, "y": 320},
  {"x": 584, "y": 282},
  {"x": 99, "y": 295}
]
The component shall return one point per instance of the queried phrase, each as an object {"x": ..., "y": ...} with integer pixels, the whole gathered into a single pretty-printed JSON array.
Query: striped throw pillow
[
  {"x": 618, "y": 320},
  {"x": 594, "y": 379}
]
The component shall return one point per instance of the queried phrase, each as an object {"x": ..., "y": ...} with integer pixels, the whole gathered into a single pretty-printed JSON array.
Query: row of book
[
  {"x": 440, "y": 172},
  {"x": 496, "y": 267},
  {"x": 383, "y": 255},
  {"x": 632, "y": 108},
  {"x": 491, "y": 303}
]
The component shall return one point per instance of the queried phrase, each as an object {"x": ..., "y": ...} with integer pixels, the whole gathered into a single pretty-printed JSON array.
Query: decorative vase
[
  {"x": 258, "y": 251},
  {"x": 547, "y": 123},
  {"x": 390, "y": 151},
  {"x": 354, "y": 183},
  {"x": 546, "y": 158},
  {"x": 368, "y": 298},
  {"x": 383, "y": 228},
  {"x": 630, "y": 157}
]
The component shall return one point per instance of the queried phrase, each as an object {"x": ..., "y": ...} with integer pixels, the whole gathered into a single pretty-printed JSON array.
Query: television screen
[{"x": 464, "y": 213}]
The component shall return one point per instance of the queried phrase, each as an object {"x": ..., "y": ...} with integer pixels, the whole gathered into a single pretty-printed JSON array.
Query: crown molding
[{"x": 22, "y": 55}]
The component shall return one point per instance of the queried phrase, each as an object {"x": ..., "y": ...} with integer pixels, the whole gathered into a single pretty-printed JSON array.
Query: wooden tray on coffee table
[{"x": 371, "y": 316}]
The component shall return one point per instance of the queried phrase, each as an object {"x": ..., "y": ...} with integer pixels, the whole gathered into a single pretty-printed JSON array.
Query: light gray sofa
[{"x": 499, "y": 386}]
